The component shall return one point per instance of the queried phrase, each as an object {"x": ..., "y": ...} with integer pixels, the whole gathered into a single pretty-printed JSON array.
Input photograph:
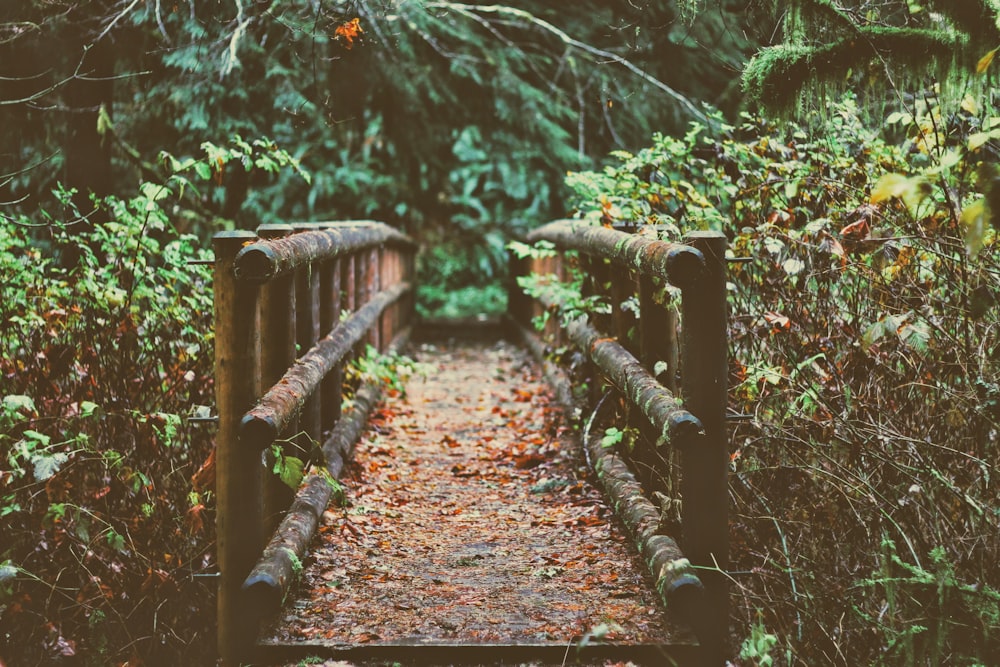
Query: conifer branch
[{"x": 568, "y": 40}]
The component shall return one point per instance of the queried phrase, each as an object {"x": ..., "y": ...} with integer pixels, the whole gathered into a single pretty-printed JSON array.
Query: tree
[{"x": 830, "y": 45}]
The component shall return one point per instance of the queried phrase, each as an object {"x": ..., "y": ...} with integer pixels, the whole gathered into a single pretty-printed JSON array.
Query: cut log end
[
  {"x": 255, "y": 263},
  {"x": 257, "y": 432}
]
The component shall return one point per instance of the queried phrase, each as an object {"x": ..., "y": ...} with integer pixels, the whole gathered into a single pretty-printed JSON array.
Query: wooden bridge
[{"x": 296, "y": 307}]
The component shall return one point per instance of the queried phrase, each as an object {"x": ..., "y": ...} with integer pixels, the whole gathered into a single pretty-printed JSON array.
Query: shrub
[
  {"x": 864, "y": 342},
  {"x": 106, "y": 502}
]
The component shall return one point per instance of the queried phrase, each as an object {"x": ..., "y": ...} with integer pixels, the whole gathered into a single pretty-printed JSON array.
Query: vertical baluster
[
  {"x": 329, "y": 316},
  {"x": 278, "y": 334},
  {"x": 516, "y": 298},
  {"x": 237, "y": 486},
  {"x": 361, "y": 290},
  {"x": 307, "y": 332},
  {"x": 704, "y": 484},
  {"x": 349, "y": 293},
  {"x": 373, "y": 286},
  {"x": 389, "y": 278}
]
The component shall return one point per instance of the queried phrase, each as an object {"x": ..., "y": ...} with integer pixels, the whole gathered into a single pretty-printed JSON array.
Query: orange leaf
[
  {"x": 349, "y": 31},
  {"x": 985, "y": 61},
  {"x": 856, "y": 230}
]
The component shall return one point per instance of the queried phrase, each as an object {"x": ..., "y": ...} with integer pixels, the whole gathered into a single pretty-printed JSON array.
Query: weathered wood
[
  {"x": 673, "y": 424},
  {"x": 676, "y": 581},
  {"x": 282, "y": 402},
  {"x": 275, "y": 572},
  {"x": 277, "y": 352},
  {"x": 271, "y": 578},
  {"x": 704, "y": 481},
  {"x": 423, "y": 653},
  {"x": 672, "y": 571},
  {"x": 681, "y": 264},
  {"x": 329, "y": 314},
  {"x": 307, "y": 330},
  {"x": 237, "y": 482},
  {"x": 266, "y": 259}
]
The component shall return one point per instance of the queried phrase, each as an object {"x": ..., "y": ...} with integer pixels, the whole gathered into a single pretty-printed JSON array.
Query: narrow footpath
[{"x": 469, "y": 518}]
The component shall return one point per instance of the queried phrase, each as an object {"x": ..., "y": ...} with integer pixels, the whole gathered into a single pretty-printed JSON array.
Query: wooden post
[
  {"x": 374, "y": 285},
  {"x": 307, "y": 334},
  {"x": 277, "y": 342},
  {"x": 704, "y": 485},
  {"x": 237, "y": 484},
  {"x": 517, "y": 304},
  {"x": 329, "y": 316}
]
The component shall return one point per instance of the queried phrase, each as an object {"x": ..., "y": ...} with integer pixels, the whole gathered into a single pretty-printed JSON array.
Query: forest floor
[{"x": 469, "y": 518}]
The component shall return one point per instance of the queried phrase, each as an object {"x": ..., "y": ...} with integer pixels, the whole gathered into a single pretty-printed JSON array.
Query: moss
[{"x": 777, "y": 76}]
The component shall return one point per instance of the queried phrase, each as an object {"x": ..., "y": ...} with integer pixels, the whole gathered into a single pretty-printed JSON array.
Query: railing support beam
[
  {"x": 238, "y": 479},
  {"x": 704, "y": 483}
]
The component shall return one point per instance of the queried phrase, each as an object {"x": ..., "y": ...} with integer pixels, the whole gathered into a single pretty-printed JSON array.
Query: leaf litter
[{"x": 470, "y": 518}]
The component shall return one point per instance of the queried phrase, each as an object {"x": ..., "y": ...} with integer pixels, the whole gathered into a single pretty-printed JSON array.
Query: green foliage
[
  {"x": 102, "y": 497},
  {"x": 885, "y": 47},
  {"x": 863, "y": 342},
  {"x": 389, "y": 370},
  {"x": 448, "y": 119},
  {"x": 758, "y": 645},
  {"x": 952, "y": 615}
]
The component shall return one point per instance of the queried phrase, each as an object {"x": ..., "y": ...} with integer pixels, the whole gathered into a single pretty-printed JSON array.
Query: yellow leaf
[
  {"x": 985, "y": 61},
  {"x": 977, "y": 139},
  {"x": 969, "y": 105},
  {"x": 974, "y": 219},
  {"x": 889, "y": 186}
]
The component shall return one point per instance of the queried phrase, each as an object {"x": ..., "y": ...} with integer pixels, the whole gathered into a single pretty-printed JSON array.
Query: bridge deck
[{"x": 471, "y": 533}]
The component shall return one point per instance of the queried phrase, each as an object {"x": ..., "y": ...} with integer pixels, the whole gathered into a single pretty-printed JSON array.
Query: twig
[
  {"x": 570, "y": 41},
  {"x": 115, "y": 20}
]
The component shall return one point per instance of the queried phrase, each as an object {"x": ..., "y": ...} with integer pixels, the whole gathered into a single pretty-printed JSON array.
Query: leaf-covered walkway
[{"x": 470, "y": 520}]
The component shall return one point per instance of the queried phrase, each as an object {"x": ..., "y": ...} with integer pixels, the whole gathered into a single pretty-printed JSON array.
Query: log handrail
[
  {"x": 689, "y": 417},
  {"x": 293, "y": 304}
]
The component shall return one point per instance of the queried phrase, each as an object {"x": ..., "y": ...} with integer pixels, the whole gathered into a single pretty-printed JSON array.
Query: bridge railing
[
  {"x": 667, "y": 359},
  {"x": 293, "y": 304}
]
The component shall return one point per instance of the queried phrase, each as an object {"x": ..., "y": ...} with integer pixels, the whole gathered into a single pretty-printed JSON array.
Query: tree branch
[{"x": 528, "y": 17}]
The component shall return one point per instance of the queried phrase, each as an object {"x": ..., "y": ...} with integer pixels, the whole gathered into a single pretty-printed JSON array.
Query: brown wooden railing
[
  {"x": 292, "y": 306},
  {"x": 668, "y": 364}
]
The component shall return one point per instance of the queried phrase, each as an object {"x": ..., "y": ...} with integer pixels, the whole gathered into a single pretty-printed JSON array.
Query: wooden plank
[{"x": 654, "y": 655}]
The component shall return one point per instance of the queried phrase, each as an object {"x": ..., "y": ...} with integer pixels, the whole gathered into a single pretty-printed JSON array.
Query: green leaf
[
  {"x": 18, "y": 403},
  {"x": 88, "y": 409},
  {"x": 47, "y": 465},
  {"x": 916, "y": 335},
  {"x": 42, "y": 439},
  {"x": 8, "y": 571},
  {"x": 116, "y": 541},
  {"x": 291, "y": 471},
  {"x": 203, "y": 170}
]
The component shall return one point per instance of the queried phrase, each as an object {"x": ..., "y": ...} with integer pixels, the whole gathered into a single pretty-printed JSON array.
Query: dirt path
[{"x": 470, "y": 519}]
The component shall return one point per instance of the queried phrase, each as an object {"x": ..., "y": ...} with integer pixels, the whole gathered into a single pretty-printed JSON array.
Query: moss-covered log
[
  {"x": 676, "y": 582},
  {"x": 672, "y": 423},
  {"x": 267, "y": 258},
  {"x": 279, "y": 564},
  {"x": 680, "y": 264},
  {"x": 275, "y": 410},
  {"x": 277, "y": 569}
]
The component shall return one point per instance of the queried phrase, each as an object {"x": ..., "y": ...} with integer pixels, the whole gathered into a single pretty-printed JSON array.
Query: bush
[
  {"x": 103, "y": 526},
  {"x": 864, "y": 353},
  {"x": 106, "y": 502}
]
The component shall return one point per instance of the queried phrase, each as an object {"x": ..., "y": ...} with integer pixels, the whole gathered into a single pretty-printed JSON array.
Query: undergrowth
[
  {"x": 865, "y": 361},
  {"x": 107, "y": 521}
]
